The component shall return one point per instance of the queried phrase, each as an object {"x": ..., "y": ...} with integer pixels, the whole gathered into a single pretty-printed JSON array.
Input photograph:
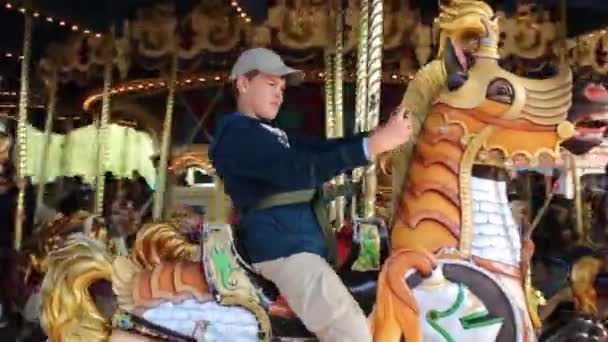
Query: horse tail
[{"x": 582, "y": 277}]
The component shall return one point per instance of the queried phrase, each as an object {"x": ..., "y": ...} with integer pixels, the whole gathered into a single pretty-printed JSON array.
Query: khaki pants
[{"x": 317, "y": 295}]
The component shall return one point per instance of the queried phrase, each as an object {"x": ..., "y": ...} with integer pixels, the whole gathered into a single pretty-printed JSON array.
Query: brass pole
[
  {"x": 563, "y": 11},
  {"x": 102, "y": 143},
  {"x": 161, "y": 188},
  {"x": 330, "y": 119},
  {"x": 48, "y": 128},
  {"x": 374, "y": 86},
  {"x": 578, "y": 198},
  {"x": 338, "y": 103},
  {"x": 22, "y": 129},
  {"x": 361, "y": 95}
]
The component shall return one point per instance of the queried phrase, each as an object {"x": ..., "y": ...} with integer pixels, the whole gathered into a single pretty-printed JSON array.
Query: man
[{"x": 259, "y": 162}]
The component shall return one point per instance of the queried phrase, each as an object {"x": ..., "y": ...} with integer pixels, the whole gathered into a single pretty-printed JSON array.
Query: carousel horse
[
  {"x": 588, "y": 268},
  {"x": 459, "y": 264},
  {"x": 171, "y": 287},
  {"x": 32, "y": 263}
]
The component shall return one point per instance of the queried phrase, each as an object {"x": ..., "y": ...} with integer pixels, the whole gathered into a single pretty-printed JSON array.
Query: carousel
[{"x": 490, "y": 225}]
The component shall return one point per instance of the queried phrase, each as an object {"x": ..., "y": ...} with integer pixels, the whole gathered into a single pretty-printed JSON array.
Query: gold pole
[
  {"x": 159, "y": 201},
  {"x": 578, "y": 198},
  {"x": 374, "y": 86},
  {"x": 102, "y": 142},
  {"x": 563, "y": 10},
  {"x": 48, "y": 128},
  {"x": 22, "y": 129},
  {"x": 338, "y": 103},
  {"x": 330, "y": 118},
  {"x": 361, "y": 96}
]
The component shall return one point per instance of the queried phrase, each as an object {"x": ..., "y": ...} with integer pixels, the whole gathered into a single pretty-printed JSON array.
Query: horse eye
[{"x": 500, "y": 90}]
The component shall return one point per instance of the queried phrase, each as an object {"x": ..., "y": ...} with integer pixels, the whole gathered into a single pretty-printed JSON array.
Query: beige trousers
[{"x": 317, "y": 295}]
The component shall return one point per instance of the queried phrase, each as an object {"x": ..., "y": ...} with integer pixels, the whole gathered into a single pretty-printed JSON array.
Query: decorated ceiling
[{"x": 73, "y": 35}]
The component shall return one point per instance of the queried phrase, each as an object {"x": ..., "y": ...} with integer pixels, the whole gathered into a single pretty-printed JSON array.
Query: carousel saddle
[{"x": 359, "y": 271}]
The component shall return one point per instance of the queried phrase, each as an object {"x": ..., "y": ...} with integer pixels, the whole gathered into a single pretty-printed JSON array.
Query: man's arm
[{"x": 256, "y": 153}]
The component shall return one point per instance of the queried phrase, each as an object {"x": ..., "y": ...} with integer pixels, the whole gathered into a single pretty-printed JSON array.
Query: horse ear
[{"x": 455, "y": 65}]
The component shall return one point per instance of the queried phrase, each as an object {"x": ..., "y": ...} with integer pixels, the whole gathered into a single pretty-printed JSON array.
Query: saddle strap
[
  {"x": 286, "y": 198},
  {"x": 319, "y": 199},
  {"x": 327, "y": 195}
]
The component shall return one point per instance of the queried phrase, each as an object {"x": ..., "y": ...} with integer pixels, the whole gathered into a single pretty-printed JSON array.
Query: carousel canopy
[
  {"x": 98, "y": 16},
  {"x": 213, "y": 32}
]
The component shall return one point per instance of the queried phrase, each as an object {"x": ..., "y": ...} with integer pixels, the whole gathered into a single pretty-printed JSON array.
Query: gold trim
[
  {"x": 241, "y": 291},
  {"x": 466, "y": 196},
  {"x": 565, "y": 130},
  {"x": 532, "y": 158},
  {"x": 255, "y": 308}
]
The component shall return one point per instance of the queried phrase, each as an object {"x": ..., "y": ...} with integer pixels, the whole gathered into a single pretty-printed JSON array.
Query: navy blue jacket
[{"x": 256, "y": 160}]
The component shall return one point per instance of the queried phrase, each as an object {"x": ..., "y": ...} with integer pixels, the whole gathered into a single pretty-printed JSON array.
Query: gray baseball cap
[{"x": 265, "y": 61}]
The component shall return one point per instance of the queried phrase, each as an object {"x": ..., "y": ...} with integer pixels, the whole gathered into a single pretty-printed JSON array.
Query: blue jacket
[{"x": 256, "y": 160}]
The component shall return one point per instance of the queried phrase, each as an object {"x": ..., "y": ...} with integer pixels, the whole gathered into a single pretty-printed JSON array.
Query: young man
[{"x": 256, "y": 161}]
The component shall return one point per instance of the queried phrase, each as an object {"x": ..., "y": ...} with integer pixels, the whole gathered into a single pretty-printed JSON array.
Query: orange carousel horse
[{"x": 459, "y": 266}]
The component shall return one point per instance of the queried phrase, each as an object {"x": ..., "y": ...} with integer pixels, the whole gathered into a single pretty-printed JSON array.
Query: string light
[
  {"x": 10, "y": 55},
  {"x": 240, "y": 11},
  {"x": 194, "y": 81},
  {"x": 61, "y": 22}
]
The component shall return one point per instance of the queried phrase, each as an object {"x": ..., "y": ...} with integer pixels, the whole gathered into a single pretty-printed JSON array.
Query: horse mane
[
  {"x": 160, "y": 242},
  {"x": 69, "y": 313}
]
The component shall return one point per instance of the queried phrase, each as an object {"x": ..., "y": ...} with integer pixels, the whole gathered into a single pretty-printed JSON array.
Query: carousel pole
[
  {"x": 563, "y": 13},
  {"x": 161, "y": 189},
  {"x": 102, "y": 142},
  {"x": 361, "y": 95},
  {"x": 578, "y": 197},
  {"x": 48, "y": 128},
  {"x": 576, "y": 180},
  {"x": 330, "y": 119},
  {"x": 374, "y": 87},
  {"x": 22, "y": 129},
  {"x": 338, "y": 102}
]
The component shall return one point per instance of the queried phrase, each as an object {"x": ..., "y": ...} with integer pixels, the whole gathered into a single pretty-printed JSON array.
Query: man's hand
[{"x": 391, "y": 135}]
